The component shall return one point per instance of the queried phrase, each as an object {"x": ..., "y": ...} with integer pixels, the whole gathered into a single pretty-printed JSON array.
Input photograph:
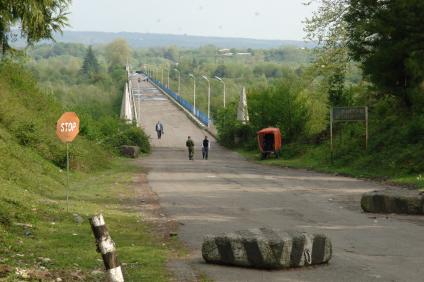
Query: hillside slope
[{"x": 39, "y": 239}]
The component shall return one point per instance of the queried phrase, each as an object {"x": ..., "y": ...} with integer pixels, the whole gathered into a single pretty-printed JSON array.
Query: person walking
[
  {"x": 190, "y": 146},
  {"x": 159, "y": 129},
  {"x": 205, "y": 148}
]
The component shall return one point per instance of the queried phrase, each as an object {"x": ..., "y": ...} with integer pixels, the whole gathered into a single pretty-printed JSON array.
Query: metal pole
[
  {"x": 209, "y": 97},
  {"x": 209, "y": 102},
  {"x": 167, "y": 84},
  {"x": 161, "y": 75},
  {"x": 331, "y": 133},
  {"x": 224, "y": 93},
  {"x": 179, "y": 83},
  {"x": 366, "y": 128},
  {"x": 194, "y": 93},
  {"x": 179, "y": 80},
  {"x": 67, "y": 177},
  {"x": 194, "y": 96},
  {"x": 221, "y": 80}
]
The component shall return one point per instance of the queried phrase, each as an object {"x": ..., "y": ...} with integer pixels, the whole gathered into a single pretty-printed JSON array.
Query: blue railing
[{"x": 183, "y": 102}]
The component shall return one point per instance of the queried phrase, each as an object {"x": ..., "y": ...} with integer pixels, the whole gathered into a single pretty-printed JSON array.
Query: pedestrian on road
[
  {"x": 190, "y": 146},
  {"x": 205, "y": 148},
  {"x": 159, "y": 129}
]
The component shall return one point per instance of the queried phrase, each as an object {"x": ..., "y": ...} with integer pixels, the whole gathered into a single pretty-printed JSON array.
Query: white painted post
[{"x": 106, "y": 247}]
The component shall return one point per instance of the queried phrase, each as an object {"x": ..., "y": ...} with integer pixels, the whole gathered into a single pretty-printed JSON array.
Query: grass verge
[
  {"x": 317, "y": 159},
  {"x": 45, "y": 242}
]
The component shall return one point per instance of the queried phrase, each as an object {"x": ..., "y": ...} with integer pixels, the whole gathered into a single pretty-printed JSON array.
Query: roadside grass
[
  {"x": 39, "y": 227},
  {"x": 318, "y": 159}
]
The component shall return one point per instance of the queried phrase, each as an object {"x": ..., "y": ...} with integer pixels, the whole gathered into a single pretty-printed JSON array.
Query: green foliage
[
  {"x": 112, "y": 132},
  {"x": 96, "y": 98},
  {"x": 386, "y": 39},
  {"x": 37, "y": 19},
  {"x": 230, "y": 131},
  {"x": 275, "y": 106},
  {"x": 44, "y": 51},
  {"x": 23, "y": 114},
  {"x": 90, "y": 67},
  {"x": 117, "y": 53}
]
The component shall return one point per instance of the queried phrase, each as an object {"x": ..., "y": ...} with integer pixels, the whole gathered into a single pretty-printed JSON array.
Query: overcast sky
[{"x": 262, "y": 19}]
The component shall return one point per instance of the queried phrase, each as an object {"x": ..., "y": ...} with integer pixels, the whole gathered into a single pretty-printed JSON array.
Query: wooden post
[
  {"x": 366, "y": 128},
  {"x": 106, "y": 247},
  {"x": 331, "y": 134}
]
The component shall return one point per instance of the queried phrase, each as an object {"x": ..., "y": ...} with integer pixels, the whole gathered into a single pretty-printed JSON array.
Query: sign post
[
  {"x": 67, "y": 128},
  {"x": 349, "y": 114}
]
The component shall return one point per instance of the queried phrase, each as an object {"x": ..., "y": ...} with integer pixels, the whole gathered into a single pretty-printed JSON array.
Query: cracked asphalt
[{"x": 228, "y": 193}]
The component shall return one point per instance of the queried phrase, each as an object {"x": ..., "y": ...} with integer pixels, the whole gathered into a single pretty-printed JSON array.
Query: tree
[
  {"x": 328, "y": 28},
  {"x": 387, "y": 38},
  {"x": 171, "y": 53},
  {"x": 118, "y": 52},
  {"x": 90, "y": 66},
  {"x": 36, "y": 19}
]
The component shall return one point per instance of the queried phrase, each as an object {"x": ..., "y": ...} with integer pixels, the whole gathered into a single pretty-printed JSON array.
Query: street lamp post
[
  {"x": 161, "y": 80},
  {"x": 179, "y": 80},
  {"x": 194, "y": 93},
  {"x": 220, "y": 79},
  {"x": 209, "y": 98},
  {"x": 167, "y": 84}
]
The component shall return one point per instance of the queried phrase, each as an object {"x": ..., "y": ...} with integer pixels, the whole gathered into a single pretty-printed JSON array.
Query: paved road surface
[{"x": 227, "y": 193}]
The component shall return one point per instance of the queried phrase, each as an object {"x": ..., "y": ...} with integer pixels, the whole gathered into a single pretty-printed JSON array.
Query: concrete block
[
  {"x": 400, "y": 201},
  {"x": 130, "y": 151},
  {"x": 267, "y": 249}
]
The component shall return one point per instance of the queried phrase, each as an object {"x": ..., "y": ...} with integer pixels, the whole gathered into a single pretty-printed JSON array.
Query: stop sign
[{"x": 67, "y": 127}]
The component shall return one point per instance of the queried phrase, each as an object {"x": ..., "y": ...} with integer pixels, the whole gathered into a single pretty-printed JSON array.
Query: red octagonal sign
[{"x": 67, "y": 127}]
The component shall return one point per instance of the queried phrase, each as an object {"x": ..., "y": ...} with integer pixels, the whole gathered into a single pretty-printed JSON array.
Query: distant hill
[{"x": 139, "y": 40}]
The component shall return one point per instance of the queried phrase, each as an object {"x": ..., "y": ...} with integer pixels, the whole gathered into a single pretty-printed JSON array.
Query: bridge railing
[{"x": 183, "y": 102}]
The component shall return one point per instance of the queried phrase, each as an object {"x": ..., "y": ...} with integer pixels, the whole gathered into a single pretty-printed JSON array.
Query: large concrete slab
[{"x": 227, "y": 193}]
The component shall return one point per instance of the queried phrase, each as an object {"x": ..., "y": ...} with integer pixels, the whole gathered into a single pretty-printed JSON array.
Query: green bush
[{"x": 275, "y": 106}]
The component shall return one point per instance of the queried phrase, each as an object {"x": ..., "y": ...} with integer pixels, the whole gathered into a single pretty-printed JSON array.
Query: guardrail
[{"x": 183, "y": 102}]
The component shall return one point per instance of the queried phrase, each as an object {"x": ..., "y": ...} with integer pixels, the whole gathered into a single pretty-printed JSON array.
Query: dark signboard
[{"x": 349, "y": 113}]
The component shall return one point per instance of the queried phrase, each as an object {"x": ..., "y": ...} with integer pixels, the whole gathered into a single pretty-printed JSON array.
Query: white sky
[{"x": 262, "y": 19}]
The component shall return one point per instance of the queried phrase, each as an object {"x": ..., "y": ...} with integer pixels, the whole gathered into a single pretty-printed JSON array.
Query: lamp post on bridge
[
  {"x": 220, "y": 79},
  {"x": 167, "y": 83},
  {"x": 209, "y": 98},
  {"x": 179, "y": 80},
  {"x": 194, "y": 93}
]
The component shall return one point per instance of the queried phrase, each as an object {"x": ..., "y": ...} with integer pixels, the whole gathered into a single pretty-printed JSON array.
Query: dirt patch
[{"x": 147, "y": 203}]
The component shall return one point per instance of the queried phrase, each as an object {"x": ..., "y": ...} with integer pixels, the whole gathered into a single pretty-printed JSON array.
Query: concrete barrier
[
  {"x": 267, "y": 249},
  {"x": 130, "y": 151},
  {"x": 401, "y": 201}
]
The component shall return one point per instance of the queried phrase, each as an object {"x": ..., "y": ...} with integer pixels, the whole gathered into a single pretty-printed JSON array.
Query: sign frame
[{"x": 348, "y": 114}]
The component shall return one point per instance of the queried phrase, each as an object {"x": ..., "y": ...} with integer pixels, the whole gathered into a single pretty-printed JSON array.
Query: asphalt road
[{"x": 227, "y": 193}]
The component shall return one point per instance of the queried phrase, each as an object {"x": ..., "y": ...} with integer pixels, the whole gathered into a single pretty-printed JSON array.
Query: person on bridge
[
  {"x": 159, "y": 129},
  {"x": 190, "y": 146},
  {"x": 205, "y": 148}
]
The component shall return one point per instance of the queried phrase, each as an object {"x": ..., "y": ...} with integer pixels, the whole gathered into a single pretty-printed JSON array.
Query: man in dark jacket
[
  {"x": 159, "y": 129},
  {"x": 190, "y": 146},
  {"x": 205, "y": 148}
]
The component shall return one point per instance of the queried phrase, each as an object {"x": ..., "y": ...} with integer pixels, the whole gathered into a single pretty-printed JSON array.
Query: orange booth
[{"x": 269, "y": 142}]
